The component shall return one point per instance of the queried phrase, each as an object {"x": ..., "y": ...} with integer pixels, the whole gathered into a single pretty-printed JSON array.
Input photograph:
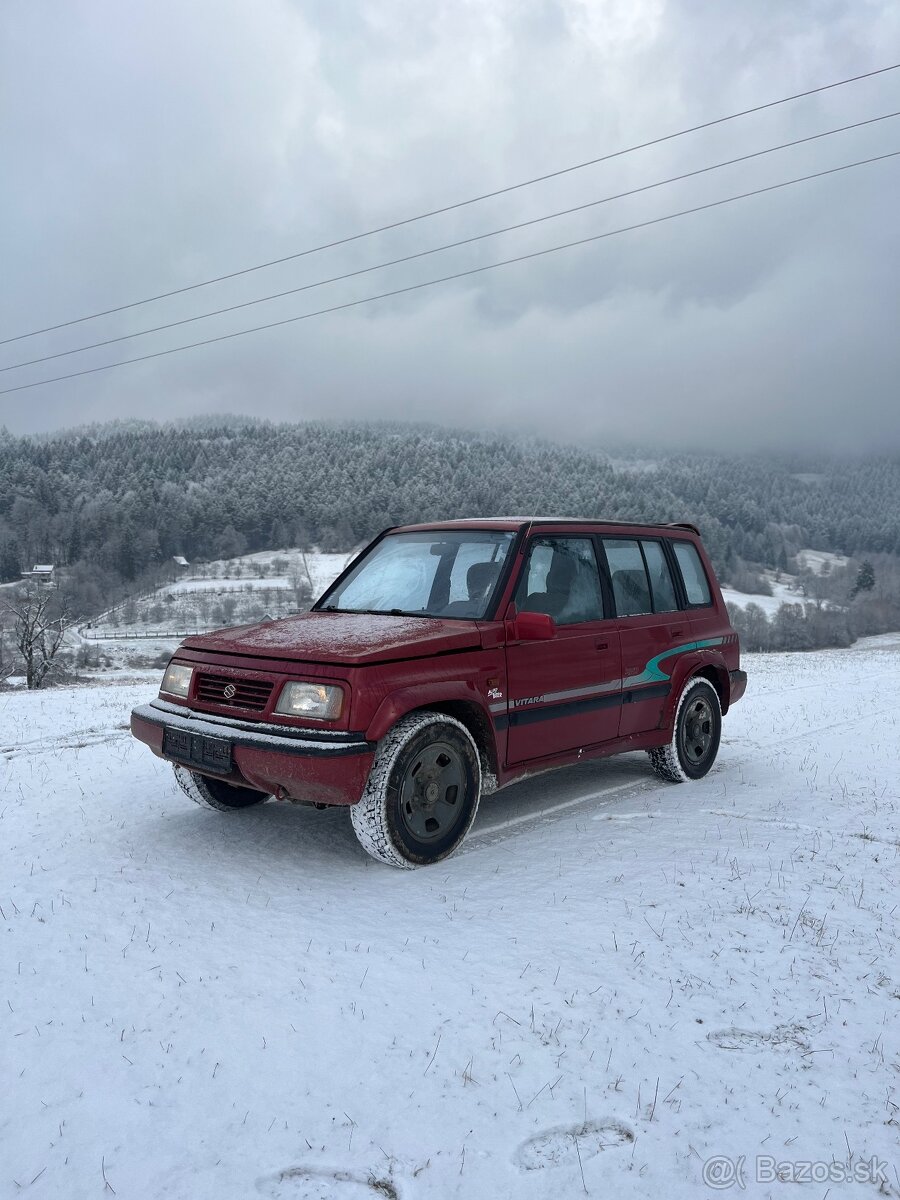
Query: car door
[
  {"x": 650, "y": 624},
  {"x": 562, "y": 692}
]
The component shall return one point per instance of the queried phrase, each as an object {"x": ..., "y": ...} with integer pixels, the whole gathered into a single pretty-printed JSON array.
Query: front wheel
[
  {"x": 422, "y": 794},
  {"x": 695, "y": 735},
  {"x": 215, "y": 793}
]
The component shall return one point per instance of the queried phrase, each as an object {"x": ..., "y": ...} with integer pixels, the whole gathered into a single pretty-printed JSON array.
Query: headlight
[
  {"x": 177, "y": 679},
  {"x": 310, "y": 700}
]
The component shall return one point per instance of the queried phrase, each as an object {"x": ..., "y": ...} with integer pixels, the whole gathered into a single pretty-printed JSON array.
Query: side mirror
[{"x": 533, "y": 627}]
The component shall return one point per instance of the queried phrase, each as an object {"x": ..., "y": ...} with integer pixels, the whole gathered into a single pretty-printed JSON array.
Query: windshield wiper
[
  {"x": 373, "y": 612},
  {"x": 390, "y": 612}
]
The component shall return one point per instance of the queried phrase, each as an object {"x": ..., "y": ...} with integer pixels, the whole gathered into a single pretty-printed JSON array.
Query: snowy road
[{"x": 613, "y": 982}]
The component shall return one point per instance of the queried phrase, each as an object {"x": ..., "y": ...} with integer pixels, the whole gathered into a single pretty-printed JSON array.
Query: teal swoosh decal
[{"x": 653, "y": 672}]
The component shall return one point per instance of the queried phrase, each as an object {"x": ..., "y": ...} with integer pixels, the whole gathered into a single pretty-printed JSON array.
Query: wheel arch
[
  {"x": 478, "y": 724},
  {"x": 696, "y": 667},
  {"x": 462, "y": 703},
  {"x": 718, "y": 677}
]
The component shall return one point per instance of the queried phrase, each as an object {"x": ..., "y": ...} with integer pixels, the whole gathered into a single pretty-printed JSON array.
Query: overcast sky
[{"x": 151, "y": 145}]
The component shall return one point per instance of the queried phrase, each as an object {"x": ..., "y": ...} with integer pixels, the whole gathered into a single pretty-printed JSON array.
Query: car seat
[
  {"x": 632, "y": 593},
  {"x": 480, "y": 580}
]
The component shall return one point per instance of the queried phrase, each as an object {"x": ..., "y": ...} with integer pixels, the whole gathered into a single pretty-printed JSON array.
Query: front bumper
[
  {"x": 738, "y": 681},
  {"x": 318, "y": 766}
]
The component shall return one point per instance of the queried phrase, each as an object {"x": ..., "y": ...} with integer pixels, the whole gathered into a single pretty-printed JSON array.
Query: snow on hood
[{"x": 342, "y": 638}]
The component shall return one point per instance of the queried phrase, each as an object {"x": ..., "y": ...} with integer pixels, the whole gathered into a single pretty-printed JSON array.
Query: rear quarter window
[{"x": 696, "y": 585}]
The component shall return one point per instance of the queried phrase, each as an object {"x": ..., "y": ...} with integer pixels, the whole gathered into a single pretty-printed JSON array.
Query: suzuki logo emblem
[{"x": 230, "y": 691}]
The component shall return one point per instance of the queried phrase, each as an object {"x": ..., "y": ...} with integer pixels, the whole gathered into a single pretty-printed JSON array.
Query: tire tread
[
  {"x": 664, "y": 759},
  {"x": 194, "y": 787},
  {"x": 369, "y": 815}
]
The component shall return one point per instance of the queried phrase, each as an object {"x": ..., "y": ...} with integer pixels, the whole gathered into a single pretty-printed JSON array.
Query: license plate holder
[{"x": 198, "y": 750}]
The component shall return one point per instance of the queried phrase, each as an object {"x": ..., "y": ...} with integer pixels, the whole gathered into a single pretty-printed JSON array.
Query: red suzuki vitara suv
[{"x": 449, "y": 660}]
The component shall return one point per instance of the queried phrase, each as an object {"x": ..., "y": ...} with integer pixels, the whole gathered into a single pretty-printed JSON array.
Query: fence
[{"x": 151, "y": 635}]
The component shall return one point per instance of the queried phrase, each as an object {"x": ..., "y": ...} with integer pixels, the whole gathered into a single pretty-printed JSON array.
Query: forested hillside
[{"x": 114, "y": 500}]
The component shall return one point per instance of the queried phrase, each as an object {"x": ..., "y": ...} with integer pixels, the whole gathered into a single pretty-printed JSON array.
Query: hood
[{"x": 352, "y": 638}]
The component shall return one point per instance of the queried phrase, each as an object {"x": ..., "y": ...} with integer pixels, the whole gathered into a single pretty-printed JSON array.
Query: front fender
[{"x": 427, "y": 695}]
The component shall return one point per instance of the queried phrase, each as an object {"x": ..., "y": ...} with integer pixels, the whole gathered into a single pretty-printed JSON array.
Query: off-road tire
[
  {"x": 215, "y": 793},
  {"x": 696, "y": 731},
  {"x": 394, "y": 807}
]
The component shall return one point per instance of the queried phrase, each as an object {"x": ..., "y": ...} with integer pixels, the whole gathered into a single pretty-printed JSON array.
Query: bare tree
[
  {"x": 40, "y": 620},
  {"x": 301, "y": 581}
]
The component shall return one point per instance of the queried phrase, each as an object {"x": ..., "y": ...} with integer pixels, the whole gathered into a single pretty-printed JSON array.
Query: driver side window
[{"x": 561, "y": 579}]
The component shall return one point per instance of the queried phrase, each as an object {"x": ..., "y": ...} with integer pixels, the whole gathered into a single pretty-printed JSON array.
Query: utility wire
[
  {"x": 434, "y": 212},
  {"x": 124, "y": 337},
  {"x": 597, "y": 237}
]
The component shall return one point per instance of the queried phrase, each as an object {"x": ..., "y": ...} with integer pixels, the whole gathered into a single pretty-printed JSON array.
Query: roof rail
[{"x": 683, "y": 525}]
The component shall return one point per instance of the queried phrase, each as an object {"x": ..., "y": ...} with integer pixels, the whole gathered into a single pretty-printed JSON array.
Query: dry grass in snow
[{"x": 612, "y": 982}]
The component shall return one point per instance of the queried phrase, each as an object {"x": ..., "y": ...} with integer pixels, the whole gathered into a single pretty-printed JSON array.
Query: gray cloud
[{"x": 150, "y": 145}]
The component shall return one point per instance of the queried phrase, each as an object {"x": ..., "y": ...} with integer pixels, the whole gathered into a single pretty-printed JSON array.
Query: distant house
[
  {"x": 42, "y": 572},
  {"x": 180, "y": 561}
]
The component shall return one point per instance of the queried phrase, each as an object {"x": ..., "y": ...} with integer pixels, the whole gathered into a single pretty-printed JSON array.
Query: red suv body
[{"x": 449, "y": 660}]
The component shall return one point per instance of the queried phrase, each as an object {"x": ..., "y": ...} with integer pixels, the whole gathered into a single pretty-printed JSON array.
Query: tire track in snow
[
  {"x": 496, "y": 830},
  {"x": 73, "y": 741}
]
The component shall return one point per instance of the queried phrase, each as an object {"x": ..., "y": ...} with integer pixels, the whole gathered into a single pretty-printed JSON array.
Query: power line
[
  {"x": 434, "y": 212},
  {"x": 456, "y": 275},
  {"x": 124, "y": 337}
]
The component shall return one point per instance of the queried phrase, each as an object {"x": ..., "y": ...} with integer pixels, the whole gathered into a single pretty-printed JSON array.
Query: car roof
[{"x": 515, "y": 523}]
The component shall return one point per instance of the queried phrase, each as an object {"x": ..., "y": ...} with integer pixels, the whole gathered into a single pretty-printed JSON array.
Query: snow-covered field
[
  {"x": 816, "y": 560},
  {"x": 323, "y": 566},
  {"x": 786, "y": 588},
  {"x": 613, "y": 982},
  {"x": 224, "y": 592},
  {"x": 782, "y": 593}
]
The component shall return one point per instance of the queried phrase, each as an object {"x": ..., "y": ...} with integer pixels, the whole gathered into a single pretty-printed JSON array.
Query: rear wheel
[
  {"x": 215, "y": 793},
  {"x": 695, "y": 735},
  {"x": 422, "y": 794}
]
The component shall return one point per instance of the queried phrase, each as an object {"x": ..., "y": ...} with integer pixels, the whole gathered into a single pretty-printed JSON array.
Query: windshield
[{"x": 438, "y": 573}]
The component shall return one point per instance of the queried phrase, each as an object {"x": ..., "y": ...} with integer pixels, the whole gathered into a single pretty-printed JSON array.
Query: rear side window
[
  {"x": 630, "y": 585},
  {"x": 661, "y": 585},
  {"x": 696, "y": 585}
]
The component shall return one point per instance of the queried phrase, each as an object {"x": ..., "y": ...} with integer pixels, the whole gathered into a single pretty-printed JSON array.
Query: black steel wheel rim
[
  {"x": 433, "y": 792},
  {"x": 698, "y": 730}
]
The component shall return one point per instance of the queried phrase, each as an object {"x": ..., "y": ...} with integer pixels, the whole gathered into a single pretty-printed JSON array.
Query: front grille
[{"x": 249, "y": 694}]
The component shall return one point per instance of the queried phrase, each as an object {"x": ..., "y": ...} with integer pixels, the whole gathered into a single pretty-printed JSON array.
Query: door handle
[
  {"x": 676, "y": 633},
  {"x": 602, "y": 645}
]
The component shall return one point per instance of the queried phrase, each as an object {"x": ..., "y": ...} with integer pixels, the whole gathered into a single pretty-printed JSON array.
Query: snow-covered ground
[
  {"x": 816, "y": 560},
  {"x": 782, "y": 593},
  {"x": 613, "y": 982},
  {"x": 323, "y": 566},
  {"x": 785, "y": 587}
]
